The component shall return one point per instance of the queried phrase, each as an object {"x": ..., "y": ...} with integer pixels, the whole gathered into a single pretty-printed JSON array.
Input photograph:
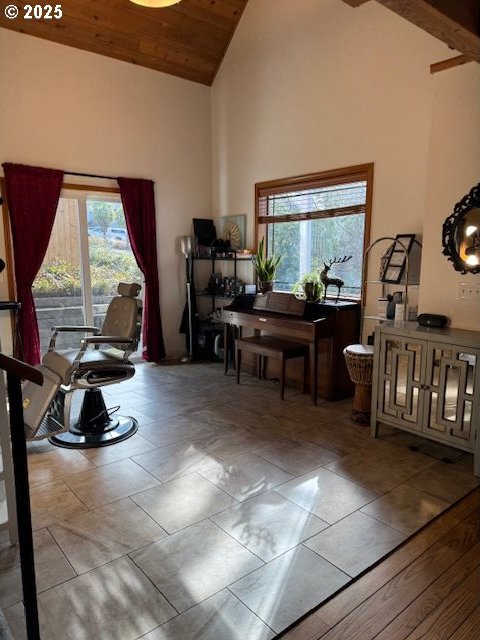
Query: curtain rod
[{"x": 88, "y": 175}]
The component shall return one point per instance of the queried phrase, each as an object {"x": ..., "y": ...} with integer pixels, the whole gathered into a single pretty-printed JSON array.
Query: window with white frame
[
  {"x": 89, "y": 253},
  {"x": 309, "y": 220}
]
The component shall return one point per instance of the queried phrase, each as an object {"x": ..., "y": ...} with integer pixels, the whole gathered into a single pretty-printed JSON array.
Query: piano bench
[{"x": 271, "y": 347}]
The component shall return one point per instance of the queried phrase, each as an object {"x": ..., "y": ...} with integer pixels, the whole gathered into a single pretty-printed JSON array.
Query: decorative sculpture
[{"x": 336, "y": 282}]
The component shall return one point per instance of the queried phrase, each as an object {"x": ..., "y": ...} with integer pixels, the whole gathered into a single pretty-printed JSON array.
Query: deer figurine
[{"x": 336, "y": 282}]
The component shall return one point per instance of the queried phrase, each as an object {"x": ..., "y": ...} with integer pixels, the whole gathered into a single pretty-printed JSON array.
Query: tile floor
[{"x": 229, "y": 515}]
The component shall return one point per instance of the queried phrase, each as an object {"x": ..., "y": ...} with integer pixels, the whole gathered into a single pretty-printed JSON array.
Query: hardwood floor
[{"x": 429, "y": 589}]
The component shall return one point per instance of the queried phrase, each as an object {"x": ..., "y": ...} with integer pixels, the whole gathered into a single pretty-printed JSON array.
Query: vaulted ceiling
[
  {"x": 455, "y": 22},
  {"x": 187, "y": 40},
  {"x": 190, "y": 39}
]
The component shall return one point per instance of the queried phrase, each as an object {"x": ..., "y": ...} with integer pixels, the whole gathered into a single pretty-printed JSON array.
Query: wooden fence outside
[{"x": 64, "y": 241}]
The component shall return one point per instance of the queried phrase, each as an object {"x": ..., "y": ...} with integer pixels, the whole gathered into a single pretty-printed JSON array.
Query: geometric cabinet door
[
  {"x": 400, "y": 375},
  {"x": 449, "y": 385}
]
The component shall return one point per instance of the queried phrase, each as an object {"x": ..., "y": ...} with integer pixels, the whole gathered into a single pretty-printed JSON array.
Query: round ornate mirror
[{"x": 461, "y": 233}]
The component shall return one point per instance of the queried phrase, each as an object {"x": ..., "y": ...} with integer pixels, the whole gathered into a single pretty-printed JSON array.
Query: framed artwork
[
  {"x": 233, "y": 228},
  {"x": 394, "y": 260}
]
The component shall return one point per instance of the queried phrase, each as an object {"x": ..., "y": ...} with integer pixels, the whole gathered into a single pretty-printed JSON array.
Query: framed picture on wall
[
  {"x": 394, "y": 261},
  {"x": 233, "y": 229}
]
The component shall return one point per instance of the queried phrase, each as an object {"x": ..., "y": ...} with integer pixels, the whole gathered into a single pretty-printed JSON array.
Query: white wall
[
  {"x": 308, "y": 86},
  {"x": 70, "y": 109},
  {"x": 305, "y": 86},
  {"x": 454, "y": 168}
]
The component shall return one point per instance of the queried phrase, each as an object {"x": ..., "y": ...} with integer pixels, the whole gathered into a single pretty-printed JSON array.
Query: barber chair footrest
[
  {"x": 36, "y": 402},
  {"x": 47, "y": 428}
]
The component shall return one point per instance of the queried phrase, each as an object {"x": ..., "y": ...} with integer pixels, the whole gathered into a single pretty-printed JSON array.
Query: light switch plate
[{"x": 469, "y": 291}]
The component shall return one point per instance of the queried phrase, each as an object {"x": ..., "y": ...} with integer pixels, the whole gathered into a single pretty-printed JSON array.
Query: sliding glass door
[{"x": 88, "y": 255}]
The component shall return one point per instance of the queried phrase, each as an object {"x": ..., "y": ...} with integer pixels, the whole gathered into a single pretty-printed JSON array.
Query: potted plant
[
  {"x": 310, "y": 286},
  {"x": 265, "y": 267}
]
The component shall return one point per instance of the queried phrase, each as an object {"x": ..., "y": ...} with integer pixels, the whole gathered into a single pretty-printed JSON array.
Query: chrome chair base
[
  {"x": 120, "y": 428},
  {"x": 95, "y": 427}
]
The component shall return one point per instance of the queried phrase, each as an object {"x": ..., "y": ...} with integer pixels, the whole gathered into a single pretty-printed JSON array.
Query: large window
[
  {"x": 88, "y": 255},
  {"x": 309, "y": 220}
]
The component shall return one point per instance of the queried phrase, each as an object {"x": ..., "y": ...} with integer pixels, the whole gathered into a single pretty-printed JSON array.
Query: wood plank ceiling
[
  {"x": 190, "y": 39},
  {"x": 187, "y": 40}
]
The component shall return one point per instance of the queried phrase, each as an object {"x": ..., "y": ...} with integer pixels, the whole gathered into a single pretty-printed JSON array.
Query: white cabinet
[{"x": 427, "y": 381}]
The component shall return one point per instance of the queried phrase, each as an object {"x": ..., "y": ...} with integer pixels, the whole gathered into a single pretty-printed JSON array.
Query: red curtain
[
  {"x": 32, "y": 197},
  {"x": 139, "y": 206}
]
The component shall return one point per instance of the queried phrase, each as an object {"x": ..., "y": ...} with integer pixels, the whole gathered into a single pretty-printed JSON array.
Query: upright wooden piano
[{"x": 327, "y": 327}]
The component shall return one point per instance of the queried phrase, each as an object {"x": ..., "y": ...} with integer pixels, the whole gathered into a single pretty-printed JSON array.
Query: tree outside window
[{"x": 309, "y": 220}]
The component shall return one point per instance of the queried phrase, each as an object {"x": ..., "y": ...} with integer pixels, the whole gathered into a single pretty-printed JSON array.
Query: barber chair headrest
[{"x": 129, "y": 290}]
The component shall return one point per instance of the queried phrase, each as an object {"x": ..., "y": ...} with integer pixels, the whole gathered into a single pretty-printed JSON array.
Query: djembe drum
[{"x": 359, "y": 361}]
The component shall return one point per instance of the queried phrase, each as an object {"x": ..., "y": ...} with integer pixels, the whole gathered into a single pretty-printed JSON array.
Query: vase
[
  {"x": 309, "y": 290},
  {"x": 312, "y": 291},
  {"x": 265, "y": 286}
]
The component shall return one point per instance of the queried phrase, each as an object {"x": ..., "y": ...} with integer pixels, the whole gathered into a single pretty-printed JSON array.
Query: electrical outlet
[{"x": 468, "y": 291}]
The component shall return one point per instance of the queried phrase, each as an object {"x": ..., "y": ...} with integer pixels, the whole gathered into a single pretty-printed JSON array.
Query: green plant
[
  {"x": 265, "y": 266},
  {"x": 60, "y": 278},
  {"x": 309, "y": 286}
]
